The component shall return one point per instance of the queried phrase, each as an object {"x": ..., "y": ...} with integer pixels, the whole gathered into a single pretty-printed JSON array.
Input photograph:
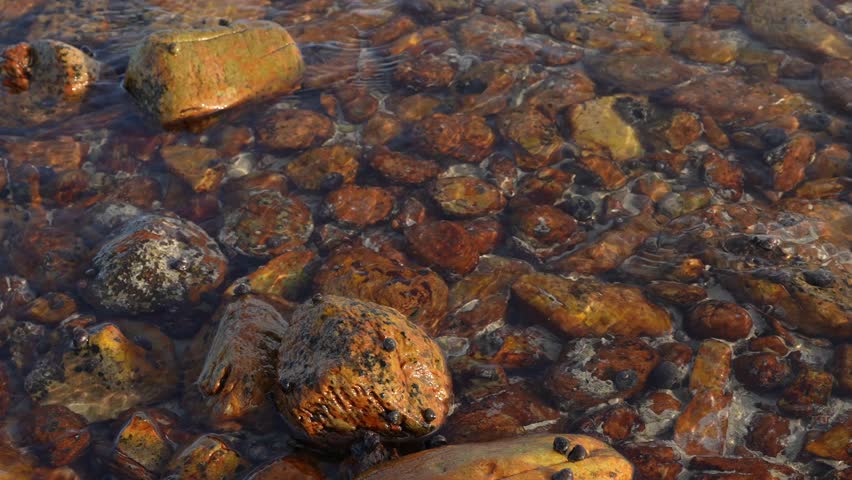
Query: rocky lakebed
[{"x": 425, "y": 239}]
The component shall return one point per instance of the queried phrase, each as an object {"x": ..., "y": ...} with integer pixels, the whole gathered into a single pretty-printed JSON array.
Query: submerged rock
[
  {"x": 793, "y": 24},
  {"x": 349, "y": 366},
  {"x": 530, "y": 457},
  {"x": 154, "y": 263},
  {"x": 597, "y": 127},
  {"x": 180, "y": 75},
  {"x": 50, "y": 66},
  {"x": 587, "y": 307}
]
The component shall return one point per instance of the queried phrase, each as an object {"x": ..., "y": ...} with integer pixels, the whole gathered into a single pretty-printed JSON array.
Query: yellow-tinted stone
[
  {"x": 793, "y": 24},
  {"x": 196, "y": 166},
  {"x": 181, "y": 75},
  {"x": 527, "y": 457},
  {"x": 596, "y": 126}
]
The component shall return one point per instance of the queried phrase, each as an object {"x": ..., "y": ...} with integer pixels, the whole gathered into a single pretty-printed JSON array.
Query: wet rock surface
[{"x": 624, "y": 220}]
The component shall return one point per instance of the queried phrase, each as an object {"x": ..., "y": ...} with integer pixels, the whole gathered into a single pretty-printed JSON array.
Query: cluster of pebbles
[{"x": 497, "y": 239}]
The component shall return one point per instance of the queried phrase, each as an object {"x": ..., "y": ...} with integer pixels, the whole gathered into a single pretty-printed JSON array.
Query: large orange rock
[
  {"x": 180, "y": 75},
  {"x": 528, "y": 457}
]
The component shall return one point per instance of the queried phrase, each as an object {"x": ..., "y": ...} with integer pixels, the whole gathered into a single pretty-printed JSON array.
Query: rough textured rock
[
  {"x": 210, "y": 456},
  {"x": 265, "y": 224},
  {"x": 587, "y": 307},
  {"x": 154, "y": 263},
  {"x": 529, "y": 457},
  {"x": 717, "y": 319},
  {"x": 793, "y": 24},
  {"x": 467, "y": 196},
  {"x": 179, "y": 75},
  {"x": 444, "y": 245},
  {"x": 324, "y": 168},
  {"x": 102, "y": 370},
  {"x": 364, "y": 274},
  {"x": 239, "y": 369},
  {"x": 56, "y": 67},
  {"x": 348, "y": 366},
  {"x": 294, "y": 129},
  {"x": 61, "y": 432}
]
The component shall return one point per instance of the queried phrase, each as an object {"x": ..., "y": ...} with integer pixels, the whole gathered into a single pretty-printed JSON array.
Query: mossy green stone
[{"x": 181, "y": 75}]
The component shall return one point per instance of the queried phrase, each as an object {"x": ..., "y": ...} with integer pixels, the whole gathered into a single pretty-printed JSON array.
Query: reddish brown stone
[
  {"x": 500, "y": 415},
  {"x": 658, "y": 411},
  {"x": 601, "y": 171},
  {"x": 559, "y": 91},
  {"x": 788, "y": 162},
  {"x": 467, "y": 196},
  {"x": 61, "y": 432},
  {"x": 532, "y": 136},
  {"x": 610, "y": 249},
  {"x": 265, "y": 224},
  {"x": 482, "y": 297},
  {"x": 491, "y": 37},
  {"x": 809, "y": 391},
  {"x": 425, "y": 72},
  {"x": 652, "y": 461},
  {"x": 287, "y": 468},
  {"x": 317, "y": 167},
  {"x": 381, "y": 128},
  {"x": 545, "y": 186},
  {"x": 762, "y": 371},
  {"x": 769, "y": 344},
  {"x": 723, "y": 175},
  {"x": 836, "y": 82},
  {"x": 743, "y": 467},
  {"x": 544, "y": 231},
  {"x": 210, "y": 456},
  {"x": 613, "y": 424},
  {"x": 724, "y": 15},
  {"x": 463, "y": 137},
  {"x": 718, "y": 319},
  {"x": 592, "y": 372},
  {"x": 487, "y": 233},
  {"x": 843, "y": 368},
  {"x": 293, "y": 129},
  {"x": 50, "y": 258},
  {"x": 704, "y": 45},
  {"x": 413, "y": 108},
  {"x": 241, "y": 189},
  {"x": 712, "y": 367},
  {"x": 834, "y": 160},
  {"x": 359, "y": 206},
  {"x": 677, "y": 293},
  {"x": 715, "y": 136},
  {"x": 768, "y": 434},
  {"x": 401, "y": 168},
  {"x": 356, "y": 102},
  {"x": 444, "y": 245},
  {"x": 834, "y": 443},
  {"x": 5, "y": 391},
  {"x": 50, "y": 308},
  {"x": 142, "y": 447},
  {"x": 516, "y": 347},
  {"x": 394, "y": 380},
  {"x": 198, "y": 167},
  {"x": 702, "y": 427},
  {"x": 361, "y": 273},
  {"x": 587, "y": 307}
]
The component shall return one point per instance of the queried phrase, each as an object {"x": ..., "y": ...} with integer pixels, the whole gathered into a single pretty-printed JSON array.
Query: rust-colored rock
[
  {"x": 601, "y": 171},
  {"x": 444, "y": 245},
  {"x": 638, "y": 71},
  {"x": 198, "y": 167},
  {"x": 294, "y": 129},
  {"x": 530, "y": 457},
  {"x": 394, "y": 381},
  {"x": 702, "y": 427},
  {"x": 180, "y": 75},
  {"x": 762, "y": 371},
  {"x": 324, "y": 168},
  {"x": 239, "y": 369},
  {"x": 679, "y": 294},
  {"x": 265, "y": 224},
  {"x": 652, "y": 461},
  {"x": 788, "y": 162},
  {"x": 718, "y": 319},
  {"x": 836, "y": 82},
  {"x": 286, "y": 275},
  {"x": 359, "y": 206},
  {"x": 51, "y": 308},
  {"x": 544, "y": 231},
  {"x": 61, "y": 432},
  {"x": 793, "y": 24},
  {"x": 51, "y": 258},
  {"x": 592, "y": 372},
  {"x": 587, "y": 307},
  {"x": 425, "y": 72},
  {"x": 142, "y": 448},
  {"x": 613, "y": 424},
  {"x": 723, "y": 175},
  {"x": 712, "y": 367},
  {"x": 287, "y": 468},
  {"x": 364, "y": 274},
  {"x": 843, "y": 368},
  {"x": 533, "y": 137},
  {"x": 768, "y": 433},
  {"x": 467, "y": 196},
  {"x": 401, "y": 168},
  {"x": 809, "y": 391},
  {"x": 834, "y": 443},
  {"x": 704, "y": 45},
  {"x": 462, "y": 137},
  {"x": 58, "y": 68}
]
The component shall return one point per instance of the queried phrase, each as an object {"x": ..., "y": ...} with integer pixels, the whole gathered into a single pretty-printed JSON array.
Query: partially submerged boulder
[
  {"x": 527, "y": 457},
  {"x": 180, "y": 75},
  {"x": 53, "y": 66}
]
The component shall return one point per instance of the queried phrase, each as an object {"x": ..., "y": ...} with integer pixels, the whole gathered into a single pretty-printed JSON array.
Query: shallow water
[{"x": 650, "y": 143}]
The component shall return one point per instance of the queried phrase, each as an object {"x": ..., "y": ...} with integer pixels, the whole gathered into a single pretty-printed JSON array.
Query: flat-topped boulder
[{"x": 180, "y": 75}]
